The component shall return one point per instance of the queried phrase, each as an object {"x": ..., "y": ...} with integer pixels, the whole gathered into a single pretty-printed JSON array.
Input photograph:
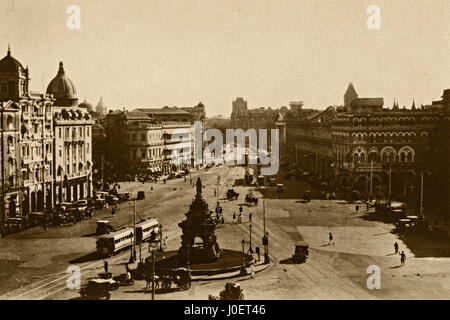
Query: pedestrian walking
[
  {"x": 222, "y": 220},
  {"x": 252, "y": 271},
  {"x": 396, "y": 247},
  {"x": 105, "y": 265},
  {"x": 250, "y": 217},
  {"x": 402, "y": 258},
  {"x": 357, "y": 208},
  {"x": 234, "y": 217},
  {"x": 44, "y": 224},
  {"x": 239, "y": 218},
  {"x": 113, "y": 211},
  {"x": 240, "y": 209},
  {"x": 330, "y": 239}
]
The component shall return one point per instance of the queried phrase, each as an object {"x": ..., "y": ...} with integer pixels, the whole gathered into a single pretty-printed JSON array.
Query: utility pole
[
  {"x": 103, "y": 177},
  {"x": 2, "y": 200},
  {"x": 390, "y": 181},
  {"x": 371, "y": 179},
  {"x": 134, "y": 226},
  {"x": 421, "y": 195},
  {"x": 153, "y": 273},
  {"x": 264, "y": 216},
  {"x": 217, "y": 191}
]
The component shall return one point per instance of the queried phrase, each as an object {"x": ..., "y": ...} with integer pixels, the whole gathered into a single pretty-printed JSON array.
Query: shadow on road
[
  {"x": 87, "y": 257},
  {"x": 289, "y": 261},
  {"x": 89, "y": 235},
  {"x": 421, "y": 243}
]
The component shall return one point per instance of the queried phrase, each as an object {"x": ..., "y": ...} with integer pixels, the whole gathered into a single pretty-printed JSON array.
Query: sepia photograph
[{"x": 225, "y": 150}]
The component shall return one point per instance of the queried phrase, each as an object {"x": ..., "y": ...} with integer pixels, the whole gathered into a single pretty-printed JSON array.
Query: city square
[
  {"x": 336, "y": 271},
  {"x": 235, "y": 151}
]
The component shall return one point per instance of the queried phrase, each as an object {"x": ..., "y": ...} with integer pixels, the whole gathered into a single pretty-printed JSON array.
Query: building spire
[
  {"x": 61, "y": 71},
  {"x": 413, "y": 105},
  {"x": 9, "y": 50}
]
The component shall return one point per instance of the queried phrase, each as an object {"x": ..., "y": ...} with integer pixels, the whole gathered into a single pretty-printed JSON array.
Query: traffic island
[
  {"x": 204, "y": 259},
  {"x": 229, "y": 265}
]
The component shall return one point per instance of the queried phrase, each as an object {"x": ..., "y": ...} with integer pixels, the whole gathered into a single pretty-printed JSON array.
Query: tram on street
[
  {"x": 144, "y": 229},
  {"x": 112, "y": 243}
]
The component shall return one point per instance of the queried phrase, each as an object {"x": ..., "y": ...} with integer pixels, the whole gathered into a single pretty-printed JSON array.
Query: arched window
[
  {"x": 362, "y": 158},
  {"x": 402, "y": 157},
  {"x": 409, "y": 157},
  {"x": 10, "y": 122},
  {"x": 391, "y": 157}
]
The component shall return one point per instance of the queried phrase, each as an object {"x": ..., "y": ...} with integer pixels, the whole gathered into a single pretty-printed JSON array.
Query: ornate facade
[
  {"x": 142, "y": 138},
  {"x": 382, "y": 152},
  {"x": 73, "y": 141},
  {"x": 30, "y": 143}
]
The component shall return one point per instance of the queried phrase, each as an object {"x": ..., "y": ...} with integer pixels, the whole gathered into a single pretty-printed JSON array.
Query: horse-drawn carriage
[{"x": 164, "y": 278}]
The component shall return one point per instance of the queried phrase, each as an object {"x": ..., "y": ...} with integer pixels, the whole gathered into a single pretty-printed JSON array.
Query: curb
[{"x": 258, "y": 268}]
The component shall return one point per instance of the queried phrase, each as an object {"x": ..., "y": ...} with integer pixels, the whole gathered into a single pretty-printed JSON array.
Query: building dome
[
  {"x": 9, "y": 64},
  {"x": 62, "y": 88},
  {"x": 86, "y": 105},
  {"x": 100, "y": 108}
]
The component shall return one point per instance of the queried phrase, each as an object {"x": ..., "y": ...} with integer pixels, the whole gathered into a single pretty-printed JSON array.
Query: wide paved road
[{"x": 332, "y": 271}]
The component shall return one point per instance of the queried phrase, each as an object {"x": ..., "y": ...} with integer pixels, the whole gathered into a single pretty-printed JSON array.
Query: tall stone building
[
  {"x": 382, "y": 152},
  {"x": 32, "y": 140},
  {"x": 26, "y": 142},
  {"x": 142, "y": 138},
  {"x": 73, "y": 141}
]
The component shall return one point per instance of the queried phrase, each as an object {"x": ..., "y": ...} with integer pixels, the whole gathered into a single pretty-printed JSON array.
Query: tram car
[
  {"x": 111, "y": 243},
  {"x": 145, "y": 229}
]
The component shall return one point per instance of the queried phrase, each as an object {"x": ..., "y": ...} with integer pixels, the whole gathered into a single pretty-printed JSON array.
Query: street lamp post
[
  {"x": 152, "y": 247},
  {"x": 266, "y": 247},
  {"x": 250, "y": 248},
  {"x": 243, "y": 270}
]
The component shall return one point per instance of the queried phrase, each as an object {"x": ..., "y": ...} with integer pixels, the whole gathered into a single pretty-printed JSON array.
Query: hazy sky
[{"x": 151, "y": 53}]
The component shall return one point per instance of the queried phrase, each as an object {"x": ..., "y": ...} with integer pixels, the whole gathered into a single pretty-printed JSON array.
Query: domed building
[
  {"x": 72, "y": 125},
  {"x": 63, "y": 89},
  {"x": 86, "y": 105},
  {"x": 13, "y": 78},
  {"x": 101, "y": 108},
  {"x": 27, "y": 121}
]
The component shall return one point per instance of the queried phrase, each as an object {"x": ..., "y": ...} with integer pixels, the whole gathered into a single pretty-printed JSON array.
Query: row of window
[
  {"x": 75, "y": 133},
  {"x": 123, "y": 238},
  {"x": 383, "y": 122},
  {"x": 385, "y": 157},
  {"x": 152, "y": 152},
  {"x": 143, "y": 136},
  {"x": 35, "y": 152}
]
